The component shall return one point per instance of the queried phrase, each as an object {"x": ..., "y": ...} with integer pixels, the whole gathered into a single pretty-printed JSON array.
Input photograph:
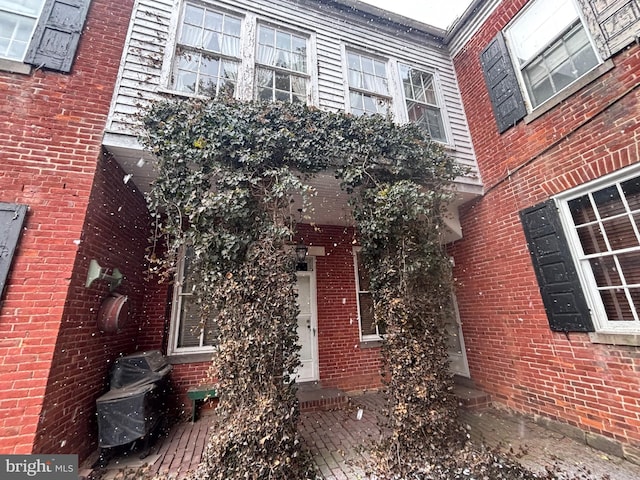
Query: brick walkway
[{"x": 338, "y": 441}]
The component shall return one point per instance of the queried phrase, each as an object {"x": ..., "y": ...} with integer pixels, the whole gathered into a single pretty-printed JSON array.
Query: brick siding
[
  {"x": 51, "y": 131},
  {"x": 512, "y": 352}
]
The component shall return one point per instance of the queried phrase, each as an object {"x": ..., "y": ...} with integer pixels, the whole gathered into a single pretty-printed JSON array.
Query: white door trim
[{"x": 314, "y": 370}]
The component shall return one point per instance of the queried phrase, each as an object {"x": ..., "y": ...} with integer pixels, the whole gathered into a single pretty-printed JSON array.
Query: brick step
[
  {"x": 316, "y": 398},
  {"x": 470, "y": 397}
]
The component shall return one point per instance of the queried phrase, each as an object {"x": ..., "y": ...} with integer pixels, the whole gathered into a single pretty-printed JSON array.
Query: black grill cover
[
  {"x": 139, "y": 369},
  {"x": 133, "y": 406}
]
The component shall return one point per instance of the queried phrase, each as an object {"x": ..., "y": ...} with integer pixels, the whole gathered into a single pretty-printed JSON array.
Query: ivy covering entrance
[{"x": 228, "y": 172}]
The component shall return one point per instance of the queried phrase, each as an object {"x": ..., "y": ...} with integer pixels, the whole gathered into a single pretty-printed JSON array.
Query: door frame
[{"x": 311, "y": 273}]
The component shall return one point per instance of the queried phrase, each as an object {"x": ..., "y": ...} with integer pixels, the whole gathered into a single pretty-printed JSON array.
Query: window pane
[
  {"x": 190, "y": 35},
  {"x": 15, "y": 34},
  {"x": 366, "y": 314},
  {"x": 190, "y": 328},
  {"x": 232, "y": 26},
  {"x": 193, "y": 15},
  {"x": 620, "y": 233},
  {"x": 592, "y": 239},
  {"x": 213, "y": 21},
  {"x": 581, "y": 210},
  {"x": 616, "y": 305},
  {"x": 539, "y": 25},
  {"x": 282, "y": 81},
  {"x": 630, "y": 264},
  {"x": 605, "y": 272}
]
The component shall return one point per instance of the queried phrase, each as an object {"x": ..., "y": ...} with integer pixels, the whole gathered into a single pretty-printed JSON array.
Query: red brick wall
[
  {"x": 512, "y": 352},
  {"x": 116, "y": 234},
  {"x": 50, "y": 131},
  {"x": 343, "y": 363}
]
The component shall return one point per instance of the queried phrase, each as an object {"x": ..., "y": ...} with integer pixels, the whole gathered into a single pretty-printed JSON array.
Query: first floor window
[
  {"x": 604, "y": 233},
  {"x": 189, "y": 333},
  {"x": 369, "y": 329},
  {"x": 18, "y": 19}
]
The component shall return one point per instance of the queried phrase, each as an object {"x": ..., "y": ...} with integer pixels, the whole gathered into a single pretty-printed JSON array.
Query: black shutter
[
  {"x": 11, "y": 220},
  {"x": 558, "y": 280},
  {"x": 502, "y": 83},
  {"x": 56, "y": 37}
]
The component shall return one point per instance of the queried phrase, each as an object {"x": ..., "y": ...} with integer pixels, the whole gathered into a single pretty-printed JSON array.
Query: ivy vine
[{"x": 227, "y": 174}]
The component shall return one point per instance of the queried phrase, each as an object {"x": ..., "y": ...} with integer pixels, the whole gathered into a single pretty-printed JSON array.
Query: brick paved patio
[{"x": 338, "y": 441}]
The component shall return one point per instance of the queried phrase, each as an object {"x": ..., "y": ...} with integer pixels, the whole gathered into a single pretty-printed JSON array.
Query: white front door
[{"x": 307, "y": 326}]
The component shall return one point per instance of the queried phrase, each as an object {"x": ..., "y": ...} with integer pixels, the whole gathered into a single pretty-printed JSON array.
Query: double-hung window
[
  {"x": 18, "y": 20},
  {"x": 282, "y": 71},
  {"x": 368, "y": 84},
  {"x": 189, "y": 333},
  {"x": 550, "y": 48},
  {"x": 422, "y": 102},
  {"x": 207, "y": 51},
  {"x": 369, "y": 329},
  {"x": 603, "y": 228}
]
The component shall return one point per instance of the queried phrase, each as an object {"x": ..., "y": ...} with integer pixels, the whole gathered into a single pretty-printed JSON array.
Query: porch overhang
[{"x": 329, "y": 206}]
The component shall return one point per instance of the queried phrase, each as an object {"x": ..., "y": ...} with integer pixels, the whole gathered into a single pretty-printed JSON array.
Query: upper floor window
[
  {"x": 368, "y": 85},
  {"x": 207, "y": 51},
  {"x": 604, "y": 233},
  {"x": 550, "y": 48},
  {"x": 422, "y": 102},
  {"x": 18, "y": 19},
  {"x": 188, "y": 333},
  {"x": 281, "y": 65}
]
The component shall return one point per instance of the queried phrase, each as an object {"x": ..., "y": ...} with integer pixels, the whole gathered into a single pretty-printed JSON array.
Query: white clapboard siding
[{"x": 151, "y": 37}]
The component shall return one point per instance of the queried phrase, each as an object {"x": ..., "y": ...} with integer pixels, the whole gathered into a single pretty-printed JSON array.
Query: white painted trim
[
  {"x": 313, "y": 299},
  {"x": 585, "y": 275},
  {"x": 460, "y": 36},
  {"x": 363, "y": 338},
  {"x": 170, "y": 45}
]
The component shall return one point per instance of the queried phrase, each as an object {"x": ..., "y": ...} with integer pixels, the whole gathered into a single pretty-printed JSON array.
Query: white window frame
[
  {"x": 368, "y": 337},
  {"x": 519, "y": 68},
  {"x": 308, "y": 76},
  {"x": 438, "y": 96},
  {"x": 245, "y": 83},
  {"x": 176, "y": 308},
  {"x": 587, "y": 279},
  {"x": 171, "y": 57},
  {"x": 387, "y": 98},
  {"x": 36, "y": 19}
]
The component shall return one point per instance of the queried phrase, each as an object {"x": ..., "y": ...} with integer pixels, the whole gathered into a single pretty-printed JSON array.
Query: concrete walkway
[{"x": 339, "y": 440}]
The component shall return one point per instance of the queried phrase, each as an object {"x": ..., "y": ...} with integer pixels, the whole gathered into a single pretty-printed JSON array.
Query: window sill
[
  {"x": 13, "y": 66},
  {"x": 570, "y": 90},
  {"x": 181, "y": 358},
  {"x": 370, "y": 343},
  {"x": 615, "y": 338}
]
